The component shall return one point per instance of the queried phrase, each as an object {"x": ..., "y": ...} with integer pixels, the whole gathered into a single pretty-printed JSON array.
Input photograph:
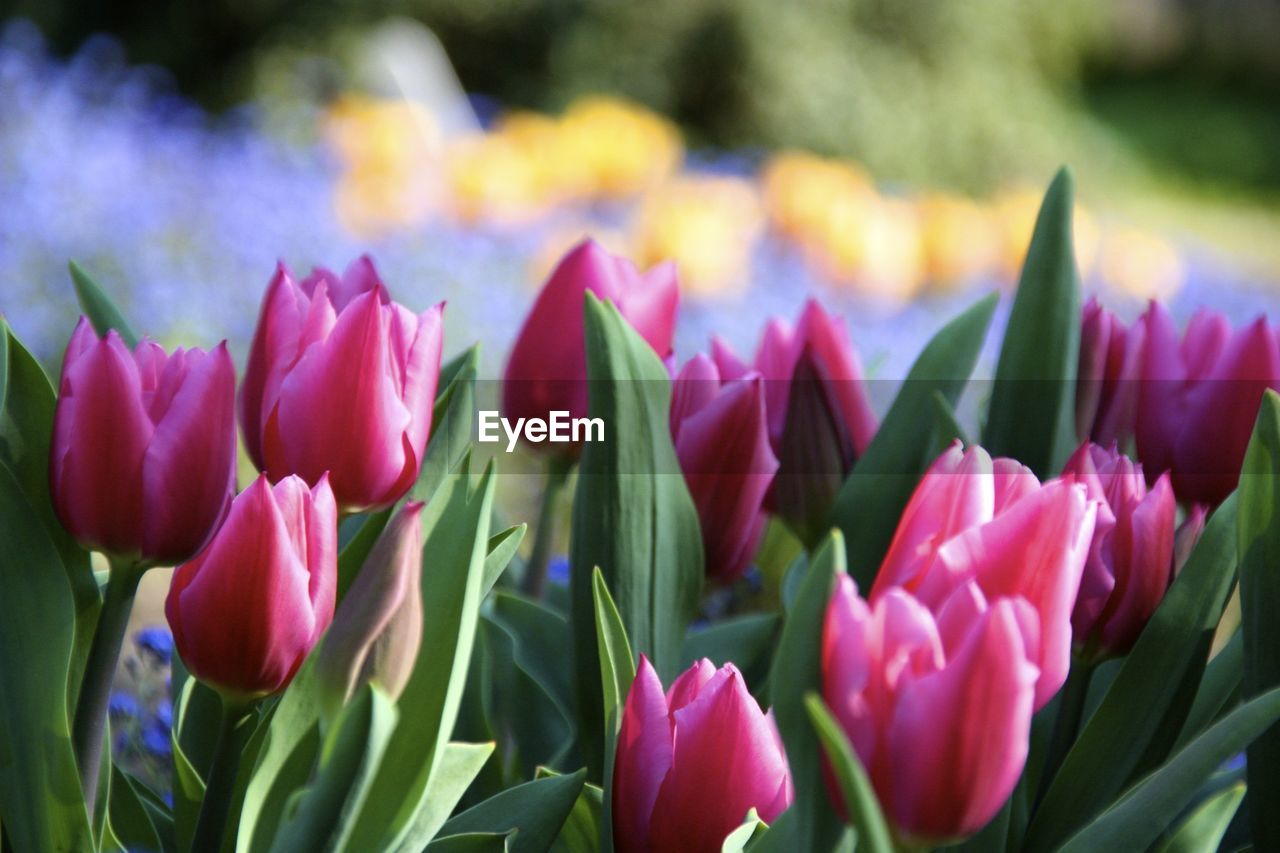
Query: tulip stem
[
  {"x": 211, "y": 825},
  {"x": 535, "y": 572},
  {"x": 90, "y": 726},
  {"x": 1066, "y": 727}
]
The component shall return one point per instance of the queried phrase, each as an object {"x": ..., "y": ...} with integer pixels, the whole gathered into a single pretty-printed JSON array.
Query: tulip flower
[
  {"x": 143, "y": 448},
  {"x": 820, "y": 419},
  {"x": 377, "y": 630},
  {"x": 937, "y": 707},
  {"x": 722, "y": 442},
  {"x": 1109, "y": 372},
  {"x": 690, "y": 764},
  {"x": 1130, "y": 563},
  {"x": 993, "y": 523},
  {"x": 341, "y": 379},
  {"x": 248, "y": 609},
  {"x": 1200, "y": 397},
  {"x": 547, "y": 370}
]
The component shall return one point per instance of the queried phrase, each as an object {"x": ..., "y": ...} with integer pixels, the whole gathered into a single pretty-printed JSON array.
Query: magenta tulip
[
  {"x": 993, "y": 523},
  {"x": 142, "y": 463},
  {"x": 1130, "y": 563},
  {"x": 1200, "y": 397},
  {"x": 1108, "y": 379},
  {"x": 341, "y": 379},
  {"x": 248, "y": 609},
  {"x": 820, "y": 419},
  {"x": 722, "y": 442},
  {"x": 690, "y": 764},
  {"x": 547, "y": 369},
  {"x": 937, "y": 707}
]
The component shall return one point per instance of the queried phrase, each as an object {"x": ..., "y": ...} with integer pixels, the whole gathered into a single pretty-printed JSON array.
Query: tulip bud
[
  {"x": 547, "y": 370},
  {"x": 722, "y": 442},
  {"x": 142, "y": 462},
  {"x": 1130, "y": 563},
  {"x": 341, "y": 380},
  {"x": 707, "y": 727},
  {"x": 247, "y": 610},
  {"x": 378, "y": 627},
  {"x": 820, "y": 419},
  {"x": 1107, "y": 379},
  {"x": 993, "y": 523},
  {"x": 937, "y": 707},
  {"x": 1200, "y": 397}
]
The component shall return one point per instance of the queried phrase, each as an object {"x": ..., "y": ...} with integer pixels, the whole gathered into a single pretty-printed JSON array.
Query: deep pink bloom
[
  {"x": 341, "y": 379},
  {"x": 993, "y": 523},
  {"x": 142, "y": 462},
  {"x": 248, "y": 609},
  {"x": 820, "y": 419},
  {"x": 547, "y": 369},
  {"x": 1130, "y": 563},
  {"x": 1109, "y": 373},
  {"x": 690, "y": 764},
  {"x": 722, "y": 442},
  {"x": 1200, "y": 397},
  {"x": 938, "y": 707}
]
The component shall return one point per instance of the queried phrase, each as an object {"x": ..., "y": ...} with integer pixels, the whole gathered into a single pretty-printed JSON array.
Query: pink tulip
[
  {"x": 1200, "y": 397},
  {"x": 247, "y": 609},
  {"x": 142, "y": 463},
  {"x": 341, "y": 379},
  {"x": 1130, "y": 563},
  {"x": 692, "y": 763},
  {"x": 722, "y": 442},
  {"x": 993, "y": 523},
  {"x": 938, "y": 707},
  {"x": 820, "y": 419},
  {"x": 547, "y": 370},
  {"x": 1108, "y": 378}
]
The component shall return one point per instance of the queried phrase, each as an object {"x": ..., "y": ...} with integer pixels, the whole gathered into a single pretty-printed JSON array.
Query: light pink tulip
[
  {"x": 993, "y": 523},
  {"x": 722, "y": 443},
  {"x": 1199, "y": 399},
  {"x": 938, "y": 708},
  {"x": 690, "y": 764},
  {"x": 1130, "y": 563},
  {"x": 341, "y": 379},
  {"x": 142, "y": 462},
  {"x": 547, "y": 369},
  {"x": 820, "y": 420},
  {"x": 1109, "y": 376},
  {"x": 248, "y": 609}
]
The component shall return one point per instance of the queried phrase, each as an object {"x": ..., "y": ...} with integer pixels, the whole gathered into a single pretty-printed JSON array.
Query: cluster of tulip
[{"x": 347, "y": 615}]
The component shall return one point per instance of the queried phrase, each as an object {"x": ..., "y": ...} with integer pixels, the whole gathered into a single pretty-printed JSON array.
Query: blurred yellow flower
[
  {"x": 1140, "y": 264},
  {"x": 1015, "y": 212},
  {"x": 959, "y": 240},
  {"x": 622, "y": 147}
]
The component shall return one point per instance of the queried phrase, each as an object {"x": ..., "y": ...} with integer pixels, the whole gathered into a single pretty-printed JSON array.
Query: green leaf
[
  {"x": 1219, "y": 689},
  {"x": 1259, "y": 548},
  {"x": 535, "y": 811},
  {"x": 27, "y": 404},
  {"x": 188, "y": 793},
  {"x": 632, "y": 516},
  {"x": 617, "y": 671},
  {"x": 99, "y": 308},
  {"x": 751, "y": 828},
  {"x": 1170, "y": 651},
  {"x": 472, "y": 842},
  {"x": 1032, "y": 413},
  {"x": 860, "y": 801},
  {"x": 1138, "y": 818},
  {"x": 881, "y": 482},
  {"x": 353, "y": 748},
  {"x": 129, "y": 818},
  {"x": 459, "y": 764},
  {"x": 581, "y": 830},
  {"x": 542, "y": 644},
  {"x": 453, "y": 558},
  {"x": 797, "y": 670},
  {"x": 40, "y": 795},
  {"x": 501, "y": 548},
  {"x": 745, "y": 640},
  {"x": 1204, "y": 828},
  {"x": 947, "y": 427},
  {"x": 450, "y": 440}
]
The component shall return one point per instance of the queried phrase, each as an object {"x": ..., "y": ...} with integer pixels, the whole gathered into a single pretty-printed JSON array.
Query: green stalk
[
  {"x": 90, "y": 726},
  {"x": 211, "y": 825},
  {"x": 535, "y": 573},
  {"x": 1066, "y": 727}
]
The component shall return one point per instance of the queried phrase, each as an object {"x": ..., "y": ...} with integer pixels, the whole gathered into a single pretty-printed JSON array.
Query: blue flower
[
  {"x": 122, "y": 704},
  {"x": 156, "y": 641},
  {"x": 164, "y": 714},
  {"x": 155, "y": 740},
  {"x": 558, "y": 570}
]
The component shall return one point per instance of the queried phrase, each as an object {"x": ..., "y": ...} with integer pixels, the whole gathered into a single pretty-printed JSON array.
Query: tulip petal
[
  {"x": 274, "y": 350},
  {"x": 643, "y": 758}
]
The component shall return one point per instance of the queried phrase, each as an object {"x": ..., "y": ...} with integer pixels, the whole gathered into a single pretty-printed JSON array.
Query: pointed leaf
[
  {"x": 534, "y": 811},
  {"x": 860, "y": 801},
  {"x": 99, "y": 308}
]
